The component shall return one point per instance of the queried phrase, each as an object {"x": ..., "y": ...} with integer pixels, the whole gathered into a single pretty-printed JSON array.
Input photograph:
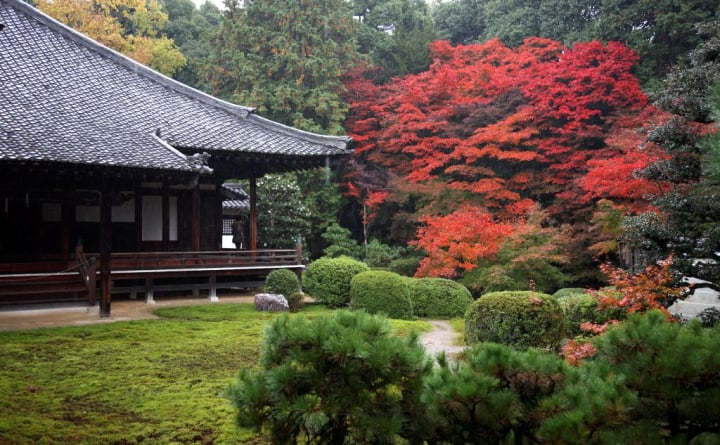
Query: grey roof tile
[{"x": 66, "y": 98}]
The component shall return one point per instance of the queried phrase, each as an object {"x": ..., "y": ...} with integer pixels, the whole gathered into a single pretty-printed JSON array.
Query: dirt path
[{"x": 441, "y": 338}]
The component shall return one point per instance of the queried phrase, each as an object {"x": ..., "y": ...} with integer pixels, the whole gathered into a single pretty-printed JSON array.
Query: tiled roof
[{"x": 66, "y": 98}]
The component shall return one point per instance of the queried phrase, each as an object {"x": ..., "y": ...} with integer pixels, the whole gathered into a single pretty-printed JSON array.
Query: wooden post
[
  {"x": 253, "y": 214},
  {"x": 105, "y": 248},
  {"x": 165, "y": 217},
  {"x": 196, "y": 219}
]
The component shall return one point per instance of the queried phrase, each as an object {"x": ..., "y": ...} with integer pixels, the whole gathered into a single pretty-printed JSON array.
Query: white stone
[{"x": 271, "y": 303}]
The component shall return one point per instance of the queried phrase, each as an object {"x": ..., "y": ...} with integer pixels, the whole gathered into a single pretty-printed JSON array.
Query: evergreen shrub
[
  {"x": 521, "y": 319},
  {"x": 379, "y": 291},
  {"x": 674, "y": 369},
  {"x": 327, "y": 380},
  {"x": 438, "y": 297},
  {"x": 327, "y": 279},
  {"x": 500, "y": 395},
  {"x": 282, "y": 281},
  {"x": 296, "y": 301}
]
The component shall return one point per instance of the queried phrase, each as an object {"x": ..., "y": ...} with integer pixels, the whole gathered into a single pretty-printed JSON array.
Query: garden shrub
[
  {"x": 673, "y": 369},
  {"x": 438, "y": 297},
  {"x": 405, "y": 266},
  {"x": 580, "y": 308},
  {"x": 488, "y": 279},
  {"x": 517, "y": 318},
  {"x": 328, "y": 380},
  {"x": 327, "y": 279},
  {"x": 383, "y": 292},
  {"x": 379, "y": 254},
  {"x": 567, "y": 291},
  {"x": 296, "y": 301},
  {"x": 282, "y": 281},
  {"x": 500, "y": 395}
]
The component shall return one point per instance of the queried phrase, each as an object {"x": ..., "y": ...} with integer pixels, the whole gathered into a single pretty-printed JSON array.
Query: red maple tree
[{"x": 505, "y": 127}]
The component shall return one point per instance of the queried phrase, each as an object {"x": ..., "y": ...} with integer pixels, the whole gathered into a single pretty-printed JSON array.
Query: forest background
[{"x": 505, "y": 143}]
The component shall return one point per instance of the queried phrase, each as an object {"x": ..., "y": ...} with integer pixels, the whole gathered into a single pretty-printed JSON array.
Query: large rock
[{"x": 271, "y": 303}]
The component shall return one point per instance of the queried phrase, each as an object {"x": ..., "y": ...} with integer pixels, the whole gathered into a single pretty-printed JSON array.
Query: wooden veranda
[{"x": 78, "y": 279}]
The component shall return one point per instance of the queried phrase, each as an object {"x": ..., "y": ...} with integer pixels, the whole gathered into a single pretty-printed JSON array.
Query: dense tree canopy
[
  {"x": 131, "y": 27},
  {"x": 286, "y": 58},
  {"x": 662, "y": 32},
  {"x": 502, "y": 128}
]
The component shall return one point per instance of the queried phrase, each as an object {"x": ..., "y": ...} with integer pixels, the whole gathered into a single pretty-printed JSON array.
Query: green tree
[
  {"x": 688, "y": 220},
  {"x": 340, "y": 242},
  {"x": 337, "y": 379},
  {"x": 285, "y": 57},
  {"x": 512, "y": 21},
  {"x": 192, "y": 29},
  {"x": 396, "y": 34},
  {"x": 282, "y": 214},
  {"x": 661, "y": 31},
  {"x": 459, "y": 21},
  {"x": 322, "y": 198}
]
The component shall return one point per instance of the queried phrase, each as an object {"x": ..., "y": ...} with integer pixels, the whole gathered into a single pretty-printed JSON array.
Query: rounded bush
[
  {"x": 327, "y": 279},
  {"x": 381, "y": 292},
  {"x": 521, "y": 319},
  {"x": 438, "y": 297},
  {"x": 282, "y": 281},
  {"x": 296, "y": 301}
]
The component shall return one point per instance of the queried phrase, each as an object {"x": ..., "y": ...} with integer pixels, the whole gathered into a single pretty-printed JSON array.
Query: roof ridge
[
  {"x": 126, "y": 61},
  {"x": 333, "y": 141}
]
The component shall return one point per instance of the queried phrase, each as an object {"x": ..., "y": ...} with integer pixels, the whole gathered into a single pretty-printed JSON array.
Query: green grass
[{"x": 150, "y": 381}]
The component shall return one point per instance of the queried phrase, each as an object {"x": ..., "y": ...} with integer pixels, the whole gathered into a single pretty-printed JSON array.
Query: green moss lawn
[{"x": 150, "y": 382}]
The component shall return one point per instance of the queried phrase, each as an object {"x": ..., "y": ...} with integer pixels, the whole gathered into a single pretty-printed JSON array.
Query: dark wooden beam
[
  {"x": 253, "y": 214},
  {"x": 105, "y": 247}
]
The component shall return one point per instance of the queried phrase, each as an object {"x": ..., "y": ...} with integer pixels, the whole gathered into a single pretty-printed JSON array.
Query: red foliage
[
  {"x": 576, "y": 350},
  {"x": 507, "y": 127},
  {"x": 640, "y": 292},
  {"x": 458, "y": 241}
]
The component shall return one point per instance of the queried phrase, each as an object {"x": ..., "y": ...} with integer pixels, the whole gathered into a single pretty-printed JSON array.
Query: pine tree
[
  {"x": 335, "y": 379},
  {"x": 285, "y": 58}
]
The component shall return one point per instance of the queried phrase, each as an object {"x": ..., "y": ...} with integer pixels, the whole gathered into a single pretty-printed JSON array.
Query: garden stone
[{"x": 271, "y": 303}]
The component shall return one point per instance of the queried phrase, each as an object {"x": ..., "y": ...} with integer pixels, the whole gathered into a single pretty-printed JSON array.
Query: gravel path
[{"x": 441, "y": 338}]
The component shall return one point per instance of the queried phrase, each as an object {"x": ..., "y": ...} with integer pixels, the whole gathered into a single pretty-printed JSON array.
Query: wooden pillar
[
  {"x": 67, "y": 220},
  {"x": 253, "y": 213},
  {"x": 165, "y": 217},
  {"x": 196, "y": 219},
  {"x": 105, "y": 248},
  {"x": 138, "y": 216}
]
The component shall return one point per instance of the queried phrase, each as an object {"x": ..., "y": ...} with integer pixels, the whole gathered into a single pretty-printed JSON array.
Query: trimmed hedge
[
  {"x": 521, "y": 319},
  {"x": 567, "y": 291},
  {"x": 327, "y": 279},
  {"x": 438, "y": 297},
  {"x": 381, "y": 292},
  {"x": 282, "y": 281}
]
